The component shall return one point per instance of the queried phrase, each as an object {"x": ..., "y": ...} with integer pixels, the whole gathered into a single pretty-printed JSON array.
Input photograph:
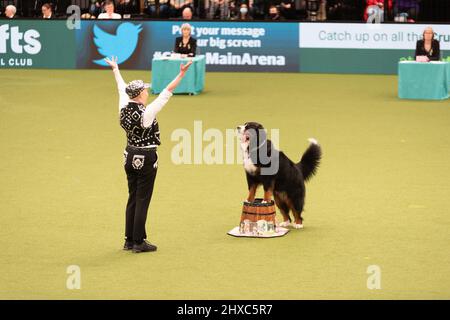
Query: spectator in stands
[
  {"x": 233, "y": 9},
  {"x": 10, "y": 12},
  {"x": 187, "y": 13},
  {"x": 375, "y": 7},
  {"x": 274, "y": 14},
  {"x": 124, "y": 8},
  {"x": 109, "y": 11},
  {"x": 164, "y": 7},
  {"x": 287, "y": 9},
  {"x": 243, "y": 14},
  {"x": 177, "y": 7},
  {"x": 86, "y": 16},
  {"x": 334, "y": 9},
  {"x": 237, "y": 6},
  {"x": 95, "y": 8},
  {"x": 410, "y": 7},
  {"x": 186, "y": 45},
  {"x": 345, "y": 9},
  {"x": 322, "y": 14},
  {"x": 217, "y": 9},
  {"x": 428, "y": 48},
  {"x": 258, "y": 9},
  {"x": 47, "y": 11},
  {"x": 60, "y": 6}
]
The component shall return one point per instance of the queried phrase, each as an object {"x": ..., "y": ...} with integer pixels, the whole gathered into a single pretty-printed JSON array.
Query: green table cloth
[
  {"x": 164, "y": 70},
  {"x": 423, "y": 80}
]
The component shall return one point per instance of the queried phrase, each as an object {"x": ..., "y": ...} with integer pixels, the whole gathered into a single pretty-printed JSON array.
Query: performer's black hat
[{"x": 135, "y": 87}]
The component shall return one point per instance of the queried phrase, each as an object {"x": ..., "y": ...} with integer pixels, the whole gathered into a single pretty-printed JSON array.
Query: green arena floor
[{"x": 381, "y": 196}]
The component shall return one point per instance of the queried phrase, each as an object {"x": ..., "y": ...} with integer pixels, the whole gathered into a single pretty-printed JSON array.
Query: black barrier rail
[{"x": 300, "y": 10}]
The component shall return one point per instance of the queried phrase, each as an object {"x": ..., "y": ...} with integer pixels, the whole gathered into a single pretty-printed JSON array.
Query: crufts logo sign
[
  {"x": 19, "y": 42},
  {"x": 122, "y": 44}
]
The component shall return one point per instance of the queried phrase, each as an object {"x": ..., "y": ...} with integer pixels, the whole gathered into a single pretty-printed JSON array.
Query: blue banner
[{"x": 227, "y": 46}]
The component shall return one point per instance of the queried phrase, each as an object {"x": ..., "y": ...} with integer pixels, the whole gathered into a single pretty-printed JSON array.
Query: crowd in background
[{"x": 243, "y": 10}]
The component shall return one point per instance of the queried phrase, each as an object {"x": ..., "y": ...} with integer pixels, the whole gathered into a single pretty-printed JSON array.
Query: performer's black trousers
[{"x": 141, "y": 167}]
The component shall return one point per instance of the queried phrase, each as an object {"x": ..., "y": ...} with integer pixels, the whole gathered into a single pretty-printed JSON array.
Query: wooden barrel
[{"x": 257, "y": 210}]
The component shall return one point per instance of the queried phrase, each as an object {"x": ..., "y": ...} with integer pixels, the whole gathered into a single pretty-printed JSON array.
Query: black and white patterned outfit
[{"x": 140, "y": 156}]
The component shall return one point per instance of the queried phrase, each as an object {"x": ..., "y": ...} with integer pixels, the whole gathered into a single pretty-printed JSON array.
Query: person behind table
[
  {"x": 428, "y": 46},
  {"x": 186, "y": 44}
]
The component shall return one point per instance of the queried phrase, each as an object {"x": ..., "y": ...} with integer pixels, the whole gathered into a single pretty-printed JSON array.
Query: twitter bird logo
[{"x": 122, "y": 44}]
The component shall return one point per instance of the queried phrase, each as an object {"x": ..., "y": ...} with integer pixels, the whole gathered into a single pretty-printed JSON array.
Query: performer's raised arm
[
  {"x": 121, "y": 85},
  {"x": 157, "y": 105}
]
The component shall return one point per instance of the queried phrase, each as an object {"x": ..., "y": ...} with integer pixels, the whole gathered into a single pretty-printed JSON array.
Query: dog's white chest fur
[{"x": 248, "y": 164}]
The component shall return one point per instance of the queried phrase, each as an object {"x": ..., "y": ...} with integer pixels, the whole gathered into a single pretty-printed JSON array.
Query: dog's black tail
[{"x": 310, "y": 160}]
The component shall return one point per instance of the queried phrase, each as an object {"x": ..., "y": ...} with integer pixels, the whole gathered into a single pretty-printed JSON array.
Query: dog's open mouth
[
  {"x": 245, "y": 138},
  {"x": 244, "y": 135}
]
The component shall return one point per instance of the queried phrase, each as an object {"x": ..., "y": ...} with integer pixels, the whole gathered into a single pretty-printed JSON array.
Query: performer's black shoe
[
  {"x": 144, "y": 247},
  {"x": 128, "y": 245}
]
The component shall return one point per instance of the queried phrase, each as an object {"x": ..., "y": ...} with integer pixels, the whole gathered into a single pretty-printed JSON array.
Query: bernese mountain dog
[{"x": 280, "y": 177}]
